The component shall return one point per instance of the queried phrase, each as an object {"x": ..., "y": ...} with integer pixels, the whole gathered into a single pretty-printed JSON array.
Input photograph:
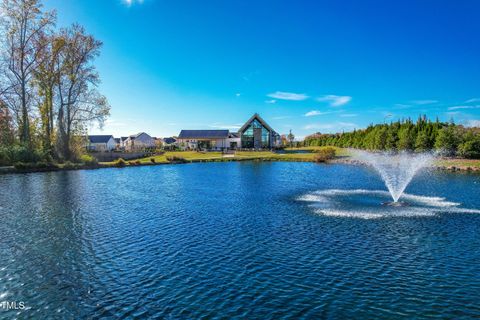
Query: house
[
  {"x": 122, "y": 142},
  {"x": 257, "y": 134},
  {"x": 101, "y": 143},
  {"x": 254, "y": 134},
  {"x": 139, "y": 141},
  {"x": 158, "y": 142},
  {"x": 169, "y": 143},
  {"x": 203, "y": 139}
]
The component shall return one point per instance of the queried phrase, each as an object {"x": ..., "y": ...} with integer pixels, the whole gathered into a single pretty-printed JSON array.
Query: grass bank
[{"x": 306, "y": 154}]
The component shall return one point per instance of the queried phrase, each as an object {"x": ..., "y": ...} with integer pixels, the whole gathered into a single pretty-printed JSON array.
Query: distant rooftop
[
  {"x": 203, "y": 134},
  {"x": 169, "y": 140},
  {"x": 99, "y": 138}
]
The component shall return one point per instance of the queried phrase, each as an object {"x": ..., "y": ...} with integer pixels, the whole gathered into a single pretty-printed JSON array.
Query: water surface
[{"x": 236, "y": 240}]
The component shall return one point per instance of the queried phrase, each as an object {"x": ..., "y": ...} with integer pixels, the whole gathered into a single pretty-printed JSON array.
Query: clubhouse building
[{"x": 255, "y": 134}]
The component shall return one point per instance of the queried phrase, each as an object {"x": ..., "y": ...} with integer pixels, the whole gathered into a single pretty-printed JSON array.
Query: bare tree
[
  {"x": 23, "y": 23},
  {"x": 79, "y": 103}
]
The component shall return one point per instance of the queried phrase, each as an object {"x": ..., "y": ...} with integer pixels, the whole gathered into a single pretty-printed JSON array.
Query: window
[{"x": 249, "y": 138}]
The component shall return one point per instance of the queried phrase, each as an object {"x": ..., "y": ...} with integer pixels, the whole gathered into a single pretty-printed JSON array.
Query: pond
[{"x": 238, "y": 240}]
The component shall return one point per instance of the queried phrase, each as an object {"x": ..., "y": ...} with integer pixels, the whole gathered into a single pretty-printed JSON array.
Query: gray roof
[
  {"x": 133, "y": 136},
  {"x": 256, "y": 116},
  {"x": 99, "y": 138},
  {"x": 169, "y": 140},
  {"x": 203, "y": 134}
]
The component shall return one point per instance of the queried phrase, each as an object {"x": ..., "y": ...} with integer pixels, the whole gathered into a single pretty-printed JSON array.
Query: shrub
[
  {"x": 33, "y": 165},
  {"x": 4, "y": 157},
  {"x": 23, "y": 165},
  {"x": 324, "y": 154},
  {"x": 120, "y": 163},
  {"x": 152, "y": 160},
  {"x": 132, "y": 163},
  {"x": 19, "y": 153},
  {"x": 69, "y": 165},
  {"x": 88, "y": 160},
  {"x": 176, "y": 159},
  {"x": 138, "y": 162}
]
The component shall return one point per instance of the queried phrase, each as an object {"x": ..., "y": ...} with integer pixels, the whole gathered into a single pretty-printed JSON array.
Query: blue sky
[{"x": 307, "y": 66}]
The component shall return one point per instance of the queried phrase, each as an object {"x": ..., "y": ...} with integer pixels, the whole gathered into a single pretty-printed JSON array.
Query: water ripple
[{"x": 236, "y": 240}]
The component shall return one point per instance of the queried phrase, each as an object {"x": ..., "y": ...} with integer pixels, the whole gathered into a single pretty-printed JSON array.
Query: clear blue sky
[{"x": 303, "y": 65}]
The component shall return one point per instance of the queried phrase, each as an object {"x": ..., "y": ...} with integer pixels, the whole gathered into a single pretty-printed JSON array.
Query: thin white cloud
[
  {"x": 132, "y": 2},
  {"x": 472, "y": 100},
  {"x": 316, "y": 113},
  {"x": 281, "y": 95},
  {"x": 348, "y": 115},
  {"x": 273, "y": 101},
  {"x": 463, "y": 107},
  {"x": 334, "y": 100},
  {"x": 238, "y": 94},
  {"x": 422, "y": 102},
  {"x": 473, "y": 123}
]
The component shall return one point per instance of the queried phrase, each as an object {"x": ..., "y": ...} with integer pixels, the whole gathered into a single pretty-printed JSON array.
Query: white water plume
[{"x": 396, "y": 169}]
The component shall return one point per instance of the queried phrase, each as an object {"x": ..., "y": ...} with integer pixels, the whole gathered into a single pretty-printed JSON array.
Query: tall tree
[
  {"x": 290, "y": 138},
  {"x": 79, "y": 103},
  {"x": 23, "y": 23},
  {"x": 46, "y": 76}
]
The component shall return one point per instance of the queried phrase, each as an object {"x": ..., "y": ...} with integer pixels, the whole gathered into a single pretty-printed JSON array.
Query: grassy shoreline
[{"x": 291, "y": 155}]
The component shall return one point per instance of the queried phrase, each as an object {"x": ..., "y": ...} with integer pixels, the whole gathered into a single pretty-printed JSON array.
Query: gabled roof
[
  {"x": 100, "y": 138},
  {"x": 123, "y": 138},
  {"x": 169, "y": 140},
  {"x": 134, "y": 136},
  {"x": 233, "y": 135},
  {"x": 255, "y": 116},
  {"x": 203, "y": 134},
  {"x": 117, "y": 140}
]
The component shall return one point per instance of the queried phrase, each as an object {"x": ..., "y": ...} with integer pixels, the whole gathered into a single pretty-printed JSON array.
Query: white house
[
  {"x": 101, "y": 143},
  {"x": 139, "y": 141}
]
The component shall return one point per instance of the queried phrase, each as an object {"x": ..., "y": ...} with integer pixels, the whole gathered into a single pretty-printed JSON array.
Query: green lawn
[
  {"x": 194, "y": 156},
  {"x": 239, "y": 155},
  {"x": 340, "y": 152},
  {"x": 459, "y": 163}
]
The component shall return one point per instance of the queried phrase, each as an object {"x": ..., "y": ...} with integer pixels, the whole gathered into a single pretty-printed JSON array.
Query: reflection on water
[{"x": 244, "y": 240}]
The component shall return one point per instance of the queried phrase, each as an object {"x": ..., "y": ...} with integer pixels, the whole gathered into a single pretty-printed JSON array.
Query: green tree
[
  {"x": 423, "y": 142},
  {"x": 447, "y": 140},
  {"x": 290, "y": 138},
  {"x": 406, "y": 139},
  {"x": 470, "y": 147}
]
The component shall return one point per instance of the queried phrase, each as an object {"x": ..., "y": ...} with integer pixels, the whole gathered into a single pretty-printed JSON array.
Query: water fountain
[{"x": 396, "y": 169}]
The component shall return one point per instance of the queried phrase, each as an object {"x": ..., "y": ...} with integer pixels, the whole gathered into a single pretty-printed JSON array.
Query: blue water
[{"x": 238, "y": 240}]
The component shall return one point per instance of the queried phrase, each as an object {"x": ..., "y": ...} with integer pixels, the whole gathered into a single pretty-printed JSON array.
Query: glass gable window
[{"x": 255, "y": 136}]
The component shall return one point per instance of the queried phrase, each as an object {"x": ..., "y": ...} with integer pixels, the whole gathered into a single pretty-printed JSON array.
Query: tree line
[
  {"x": 48, "y": 85},
  {"x": 422, "y": 135}
]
